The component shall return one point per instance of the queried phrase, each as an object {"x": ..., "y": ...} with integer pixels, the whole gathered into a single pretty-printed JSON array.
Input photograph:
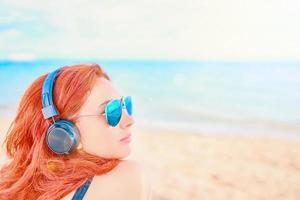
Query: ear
[{"x": 79, "y": 145}]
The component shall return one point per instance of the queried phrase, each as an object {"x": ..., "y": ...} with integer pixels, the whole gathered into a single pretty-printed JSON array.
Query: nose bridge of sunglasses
[
  {"x": 124, "y": 109},
  {"x": 122, "y": 101}
]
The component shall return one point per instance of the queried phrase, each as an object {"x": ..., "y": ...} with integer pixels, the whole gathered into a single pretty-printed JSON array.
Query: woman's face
[{"x": 97, "y": 137}]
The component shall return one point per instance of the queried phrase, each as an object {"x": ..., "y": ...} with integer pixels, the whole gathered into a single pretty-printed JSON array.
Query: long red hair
[{"x": 34, "y": 171}]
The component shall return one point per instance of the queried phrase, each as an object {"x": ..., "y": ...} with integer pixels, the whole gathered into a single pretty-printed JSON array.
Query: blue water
[{"x": 253, "y": 98}]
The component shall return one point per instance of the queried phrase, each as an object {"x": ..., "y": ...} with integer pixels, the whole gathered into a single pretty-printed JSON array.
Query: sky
[{"x": 156, "y": 29}]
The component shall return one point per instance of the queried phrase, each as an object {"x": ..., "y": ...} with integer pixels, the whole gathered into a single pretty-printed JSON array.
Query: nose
[{"x": 126, "y": 121}]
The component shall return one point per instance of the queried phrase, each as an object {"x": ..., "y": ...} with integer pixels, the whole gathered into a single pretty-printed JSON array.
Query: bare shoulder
[{"x": 128, "y": 179}]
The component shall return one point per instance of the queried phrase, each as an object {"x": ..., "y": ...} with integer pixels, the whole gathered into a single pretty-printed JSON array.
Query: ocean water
[{"x": 250, "y": 98}]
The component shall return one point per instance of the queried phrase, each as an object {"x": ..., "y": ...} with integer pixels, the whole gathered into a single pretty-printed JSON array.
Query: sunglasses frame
[{"x": 122, "y": 100}]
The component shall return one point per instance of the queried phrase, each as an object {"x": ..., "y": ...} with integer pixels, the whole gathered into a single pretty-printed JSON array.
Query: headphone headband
[
  {"x": 49, "y": 109},
  {"x": 62, "y": 136}
]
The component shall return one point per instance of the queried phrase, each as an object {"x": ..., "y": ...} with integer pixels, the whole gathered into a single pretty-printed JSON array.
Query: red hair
[{"x": 34, "y": 171}]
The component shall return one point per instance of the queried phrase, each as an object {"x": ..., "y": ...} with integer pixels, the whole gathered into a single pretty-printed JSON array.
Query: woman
[{"x": 69, "y": 139}]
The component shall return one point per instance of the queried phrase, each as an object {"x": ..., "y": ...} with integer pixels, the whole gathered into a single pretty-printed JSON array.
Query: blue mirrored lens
[
  {"x": 113, "y": 112},
  {"x": 128, "y": 105}
]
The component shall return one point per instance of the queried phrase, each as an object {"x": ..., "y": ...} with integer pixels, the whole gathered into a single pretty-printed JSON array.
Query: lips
[{"x": 126, "y": 139}]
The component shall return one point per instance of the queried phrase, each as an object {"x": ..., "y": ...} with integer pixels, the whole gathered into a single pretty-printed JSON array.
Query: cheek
[
  {"x": 107, "y": 144},
  {"x": 99, "y": 139}
]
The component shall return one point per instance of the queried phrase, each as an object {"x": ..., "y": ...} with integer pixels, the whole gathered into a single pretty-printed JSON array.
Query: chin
[{"x": 125, "y": 153}]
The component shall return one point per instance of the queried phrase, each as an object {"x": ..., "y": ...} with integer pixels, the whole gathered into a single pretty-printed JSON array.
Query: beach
[
  {"x": 193, "y": 166},
  {"x": 210, "y": 166}
]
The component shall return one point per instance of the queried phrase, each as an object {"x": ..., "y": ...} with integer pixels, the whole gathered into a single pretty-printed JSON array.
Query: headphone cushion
[{"x": 62, "y": 137}]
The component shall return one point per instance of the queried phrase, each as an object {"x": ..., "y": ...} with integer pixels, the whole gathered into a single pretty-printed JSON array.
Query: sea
[{"x": 255, "y": 98}]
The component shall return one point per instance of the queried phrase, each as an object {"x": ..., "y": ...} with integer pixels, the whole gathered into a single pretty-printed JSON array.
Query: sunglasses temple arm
[{"x": 90, "y": 115}]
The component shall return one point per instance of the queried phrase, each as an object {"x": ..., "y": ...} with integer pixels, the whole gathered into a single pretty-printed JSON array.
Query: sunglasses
[{"x": 113, "y": 110}]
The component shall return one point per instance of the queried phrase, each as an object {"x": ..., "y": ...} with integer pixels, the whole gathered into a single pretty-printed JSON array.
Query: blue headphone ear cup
[{"x": 62, "y": 137}]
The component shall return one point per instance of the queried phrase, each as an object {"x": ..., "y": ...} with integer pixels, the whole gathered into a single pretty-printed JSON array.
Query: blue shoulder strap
[
  {"x": 80, "y": 192},
  {"x": 49, "y": 109}
]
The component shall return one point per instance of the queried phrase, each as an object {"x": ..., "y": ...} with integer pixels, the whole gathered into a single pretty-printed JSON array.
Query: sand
[
  {"x": 194, "y": 166},
  {"x": 209, "y": 166}
]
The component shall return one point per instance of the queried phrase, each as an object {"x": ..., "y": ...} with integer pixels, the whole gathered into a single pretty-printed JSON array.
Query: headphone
[{"x": 62, "y": 136}]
